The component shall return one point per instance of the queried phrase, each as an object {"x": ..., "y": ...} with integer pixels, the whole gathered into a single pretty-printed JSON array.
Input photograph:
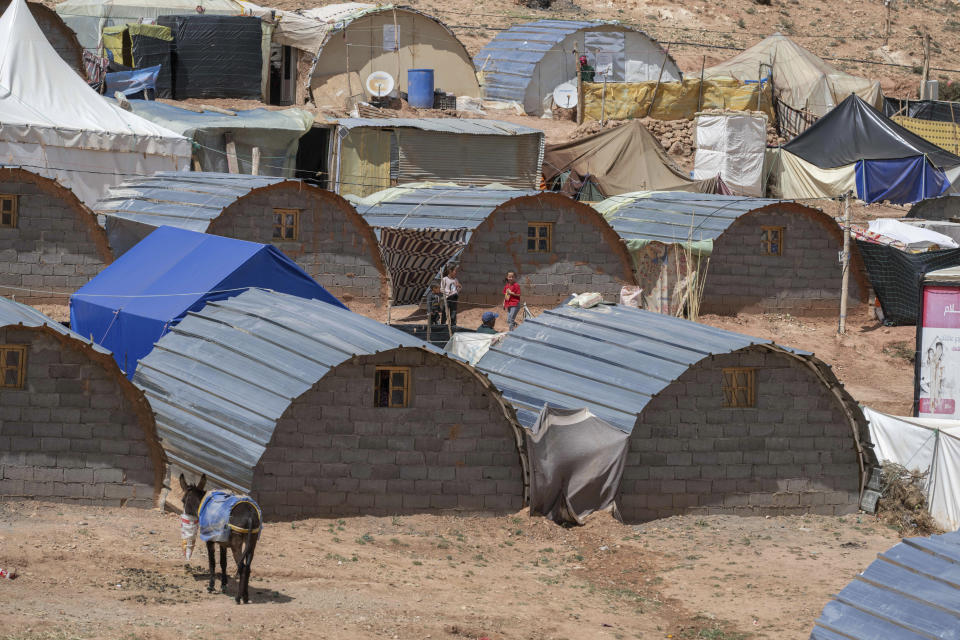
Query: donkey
[{"x": 240, "y": 533}]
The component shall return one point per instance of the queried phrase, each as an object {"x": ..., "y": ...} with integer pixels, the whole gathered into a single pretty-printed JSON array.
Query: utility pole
[
  {"x": 845, "y": 265},
  {"x": 926, "y": 66}
]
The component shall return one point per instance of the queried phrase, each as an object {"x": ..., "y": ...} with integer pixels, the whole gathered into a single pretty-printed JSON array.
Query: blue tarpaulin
[
  {"x": 133, "y": 82},
  {"x": 151, "y": 287},
  {"x": 899, "y": 181}
]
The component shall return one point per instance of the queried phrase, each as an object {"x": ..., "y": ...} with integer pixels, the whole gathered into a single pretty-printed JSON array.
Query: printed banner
[{"x": 940, "y": 353}]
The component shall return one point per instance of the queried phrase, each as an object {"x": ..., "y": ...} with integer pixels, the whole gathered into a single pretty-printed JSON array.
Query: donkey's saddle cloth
[{"x": 214, "y": 516}]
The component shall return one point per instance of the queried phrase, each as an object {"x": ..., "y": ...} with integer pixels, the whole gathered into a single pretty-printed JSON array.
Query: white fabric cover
[
  {"x": 52, "y": 123},
  {"x": 910, "y": 235},
  {"x": 798, "y": 179},
  {"x": 732, "y": 146},
  {"x": 471, "y": 346},
  {"x": 927, "y": 445}
]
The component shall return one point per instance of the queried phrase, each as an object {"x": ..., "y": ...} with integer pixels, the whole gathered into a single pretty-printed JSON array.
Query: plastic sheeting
[
  {"x": 672, "y": 100},
  {"x": 576, "y": 463},
  {"x": 926, "y": 110},
  {"x": 135, "y": 301},
  {"x": 52, "y": 123},
  {"x": 899, "y": 181},
  {"x": 132, "y": 82},
  {"x": 928, "y": 445},
  {"x": 795, "y": 178},
  {"x": 802, "y": 80},
  {"x": 945, "y": 135},
  {"x": 471, "y": 346},
  {"x": 912, "y": 236},
  {"x": 856, "y": 131},
  {"x": 216, "y": 56},
  {"x": 733, "y": 147}
]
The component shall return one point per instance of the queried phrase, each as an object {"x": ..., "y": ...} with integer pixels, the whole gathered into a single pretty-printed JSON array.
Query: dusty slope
[{"x": 112, "y": 573}]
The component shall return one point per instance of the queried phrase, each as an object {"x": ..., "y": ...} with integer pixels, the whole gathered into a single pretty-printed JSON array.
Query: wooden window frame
[
  {"x": 21, "y": 366},
  {"x": 13, "y": 218},
  {"x": 283, "y": 226},
  {"x": 767, "y": 244},
  {"x": 390, "y": 371},
  {"x": 536, "y": 248},
  {"x": 730, "y": 386}
]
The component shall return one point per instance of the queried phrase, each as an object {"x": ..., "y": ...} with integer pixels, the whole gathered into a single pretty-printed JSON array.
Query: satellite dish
[
  {"x": 565, "y": 95},
  {"x": 379, "y": 84}
]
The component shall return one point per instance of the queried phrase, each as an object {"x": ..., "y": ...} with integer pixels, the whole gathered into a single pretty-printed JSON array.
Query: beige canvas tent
[
  {"x": 616, "y": 161},
  {"x": 801, "y": 80},
  {"x": 329, "y": 52}
]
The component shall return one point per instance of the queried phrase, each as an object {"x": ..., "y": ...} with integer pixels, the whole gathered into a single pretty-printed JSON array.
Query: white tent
[
  {"x": 52, "y": 123},
  {"x": 930, "y": 445}
]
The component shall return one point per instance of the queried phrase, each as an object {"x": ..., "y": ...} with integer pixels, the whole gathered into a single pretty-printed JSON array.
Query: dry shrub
[{"x": 903, "y": 504}]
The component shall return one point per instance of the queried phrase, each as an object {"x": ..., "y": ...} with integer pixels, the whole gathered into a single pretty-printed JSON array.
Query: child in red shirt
[{"x": 511, "y": 299}]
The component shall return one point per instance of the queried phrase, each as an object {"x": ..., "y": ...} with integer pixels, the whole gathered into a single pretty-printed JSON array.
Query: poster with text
[{"x": 940, "y": 353}]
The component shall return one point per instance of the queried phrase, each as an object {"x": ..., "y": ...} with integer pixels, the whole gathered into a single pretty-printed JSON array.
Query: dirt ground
[{"x": 88, "y": 572}]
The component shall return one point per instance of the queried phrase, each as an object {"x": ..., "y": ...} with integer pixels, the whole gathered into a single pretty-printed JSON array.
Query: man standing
[{"x": 586, "y": 71}]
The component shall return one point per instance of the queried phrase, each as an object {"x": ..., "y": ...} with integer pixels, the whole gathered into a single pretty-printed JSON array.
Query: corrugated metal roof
[
  {"x": 220, "y": 380},
  {"x": 609, "y": 359},
  {"x": 950, "y": 274},
  {"x": 14, "y": 313},
  {"x": 188, "y": 200},
  {"x": 434, "y": 207},
  {"x": 911, "y": 591},
  {"x": 509, "y": 61},
  {"x": 675, "y": 216},
  {"x": 444, "y": 125}
]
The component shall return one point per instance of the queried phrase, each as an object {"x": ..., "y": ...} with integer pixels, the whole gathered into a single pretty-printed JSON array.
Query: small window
[
  {"x": 540, "y": 237},
  {"x": 286, "y": 224},
  {"x": 772, "y": 241},
  {"x": 13, "y": 365},
  {"x": 740, "y": 387},
  {"x": 392, "y": 387},
  {"x": 8, "y": 212}
]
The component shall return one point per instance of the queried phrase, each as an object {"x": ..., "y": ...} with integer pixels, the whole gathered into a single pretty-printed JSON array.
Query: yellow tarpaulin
[
  {"x": 364, "y": 161},
  {"x": 674, "y": 100},
  {"x": 943, "y": 134}
]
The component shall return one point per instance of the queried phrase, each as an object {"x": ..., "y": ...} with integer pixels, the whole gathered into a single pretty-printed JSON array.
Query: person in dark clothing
[
  {"x": 434, "y": 304},
  {"x": 489, "y": 320},
  {"x": 586, "y": 71}
]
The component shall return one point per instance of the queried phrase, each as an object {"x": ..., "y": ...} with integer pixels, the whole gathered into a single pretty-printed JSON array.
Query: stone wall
[
  {"x": 336, "y": 246},
  {"x": 805, "y": 280},
  {"x": 333, "y": 453},
  {"x": 72, "y": 434},
  {"x": 587, "y": 254},
  {"x": 793, "y": 453},
  {"x": 56, "y": 245}
]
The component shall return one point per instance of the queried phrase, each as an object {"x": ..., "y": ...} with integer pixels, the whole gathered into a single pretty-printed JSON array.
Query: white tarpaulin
[
  {"x": 912, "y": 236},
  {"x": 52, "y": 123},
  {"x": 798, "y": 179},
  {"x": 472, "y": 346},
  {"x": 732, "y": 146},
  {"x": 930, "y": 445}
]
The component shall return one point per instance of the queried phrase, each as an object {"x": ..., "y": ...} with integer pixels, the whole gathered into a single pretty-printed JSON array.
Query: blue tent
[{"x": 171, "y": 272}]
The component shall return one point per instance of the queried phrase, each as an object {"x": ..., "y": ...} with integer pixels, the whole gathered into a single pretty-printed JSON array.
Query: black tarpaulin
[
  {"x": 148, "y": 51},
  {"x": 938, "y": 110},
  {"x": 895, "y": 277},
  {"x": 215, "y": 56},
  {"x": 856, "y": 131}
]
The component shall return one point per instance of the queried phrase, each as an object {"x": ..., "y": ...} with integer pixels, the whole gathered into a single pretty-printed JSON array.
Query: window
[
  {"x": 13, "y": 365},
  {"x": 8, "y": 211},
  {"x": 286, "y": 224},
  {"x": 772, "y": 240},
  {"x": 539, "y": 237},
  {"x": 392, "y": 387},
  {"x": 740, "y": 387}
]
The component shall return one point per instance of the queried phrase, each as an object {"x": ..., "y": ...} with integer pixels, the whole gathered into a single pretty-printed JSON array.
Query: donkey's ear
[
  {"x": 183, "y": 483},
  {"x": 202, "y": 483}
]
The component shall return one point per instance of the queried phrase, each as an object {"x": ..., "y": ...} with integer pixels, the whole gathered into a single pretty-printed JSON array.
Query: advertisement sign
[{"x": 940, "y": 353}]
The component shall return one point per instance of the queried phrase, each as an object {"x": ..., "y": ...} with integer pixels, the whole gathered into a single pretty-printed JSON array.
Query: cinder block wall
[
  {"x": 56, "y": 246},
  {"x": 57, "y": 32},
  {"x": 587, "y": 255},
  {"x": 334, "y": 453},
  {"x": 793, "y": 453},
  {"x": 336, "y": 247},
  {"x": 805, "y": 280},
  {"x": 71, "y": 434}
]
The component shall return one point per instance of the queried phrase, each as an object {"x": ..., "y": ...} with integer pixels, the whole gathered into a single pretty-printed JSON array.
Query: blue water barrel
[{"x": 420, "y": 88}]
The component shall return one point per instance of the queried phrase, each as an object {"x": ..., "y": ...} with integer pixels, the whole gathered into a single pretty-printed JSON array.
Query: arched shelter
[
  {"x": 764, "y": 255},
  {"x": 317, "y": 229},
  {"x": 50, "y": 242},
  {"x": 718, "y": 422},
  {"x": 526, "y": 62},
  {"x": 318, "y": 411},
  {"x": 556, "y": 245},
  {"x": 72, "y": 427}
]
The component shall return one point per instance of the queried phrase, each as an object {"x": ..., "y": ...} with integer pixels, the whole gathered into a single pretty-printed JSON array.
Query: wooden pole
[
  {"x": 703, "y": 63},
  {"x": 953, "y": 120},
  {"x": 656, "y": 89},
  {"x": 255, "y": 161},
  {"x": 845, "y": 262},
  {"x": 603, "y": 100},
  {"x": 232, "y": 165},
  {"x": 926, "y": 66}
]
